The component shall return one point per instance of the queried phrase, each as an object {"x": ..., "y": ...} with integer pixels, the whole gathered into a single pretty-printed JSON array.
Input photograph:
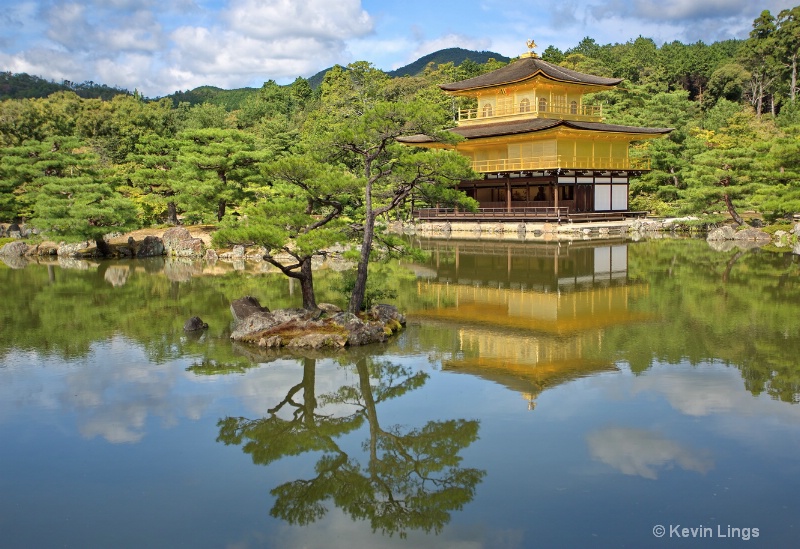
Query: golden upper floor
[
  {"x": 532, "y": 115},
  {"x": 530, "y": 88}
]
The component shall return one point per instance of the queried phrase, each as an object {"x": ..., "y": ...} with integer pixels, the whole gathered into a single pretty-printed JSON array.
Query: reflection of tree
[
  {"x": 737, "y": 308},
  {"x": 63, "y": 312},
  {"x": 411, "y": 479}
]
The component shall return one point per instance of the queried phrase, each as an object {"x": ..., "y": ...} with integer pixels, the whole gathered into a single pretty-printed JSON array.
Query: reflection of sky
[
  {"x": 115, "y": 391},
  {"x": 673, "y": 437},
  {"x": 713, "y": 393},
  {"x": 339, "y": 531},
  {"x": 111, "y": 393}
]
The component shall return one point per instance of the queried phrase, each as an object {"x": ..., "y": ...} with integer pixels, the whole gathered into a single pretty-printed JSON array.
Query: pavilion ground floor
[{"x": 553, "y": 196}]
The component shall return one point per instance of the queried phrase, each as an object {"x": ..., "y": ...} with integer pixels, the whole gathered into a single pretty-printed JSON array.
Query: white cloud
[
  {"x": 257, "y": 41},
  {"x": 141, "y": 33},
  {"x": 321, "y": 20},
  {"x": 643, "y": 453},
  {"x": 52, "y": 64},
  {"x": 68, "y": 27}
]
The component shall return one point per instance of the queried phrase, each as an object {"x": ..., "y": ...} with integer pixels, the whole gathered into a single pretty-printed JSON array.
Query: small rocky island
[{"x": 326, "y": 327}]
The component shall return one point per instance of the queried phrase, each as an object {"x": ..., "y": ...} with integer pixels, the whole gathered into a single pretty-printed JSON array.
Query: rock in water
[{"x": 194, "y": 324}]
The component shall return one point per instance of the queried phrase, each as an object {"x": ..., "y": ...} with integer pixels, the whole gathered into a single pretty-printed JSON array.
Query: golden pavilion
[{"x": 543, "y": 151}]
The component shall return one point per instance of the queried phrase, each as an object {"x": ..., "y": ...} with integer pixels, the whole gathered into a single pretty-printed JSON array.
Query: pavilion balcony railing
[
  {"x": 560, "y": 161},
  {"x": 519, "y": 110},
  {"x": 484, "y": 214}
]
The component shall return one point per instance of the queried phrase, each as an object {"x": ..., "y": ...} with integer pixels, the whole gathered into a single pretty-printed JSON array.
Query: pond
[{"x": 586, "y": 394}]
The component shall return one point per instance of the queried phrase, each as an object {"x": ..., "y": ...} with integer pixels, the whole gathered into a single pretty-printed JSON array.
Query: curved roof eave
[
  {"x": 525, "y": 69},
  {"x": 534, "y": 126}
]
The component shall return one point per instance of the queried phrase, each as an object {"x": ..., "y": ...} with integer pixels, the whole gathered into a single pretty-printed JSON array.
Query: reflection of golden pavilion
[
  {"x": 554, "y": 313},
  {"x": 533, "y": 328}
]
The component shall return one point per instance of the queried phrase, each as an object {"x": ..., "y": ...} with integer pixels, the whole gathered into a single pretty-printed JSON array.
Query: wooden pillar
[
  {"x": 555, "y": 191},
  {"x": 508, "y": 194}
]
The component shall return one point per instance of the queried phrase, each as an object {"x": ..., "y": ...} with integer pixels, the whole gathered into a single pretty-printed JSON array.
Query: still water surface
[{"x": 542, "y": 395}]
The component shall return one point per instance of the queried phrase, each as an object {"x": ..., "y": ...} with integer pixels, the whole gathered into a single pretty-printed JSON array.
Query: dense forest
[{"x": 80, "y": 164}]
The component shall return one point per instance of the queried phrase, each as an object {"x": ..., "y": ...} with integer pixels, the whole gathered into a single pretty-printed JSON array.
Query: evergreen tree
[
  {"x": 728, "y": 171},
  {"x": 787, "y": 37},
  {"x": 759, "y": 57},
  {"x": 155, "y": 178},
  {"x": 69, "y": 197},
  {"x": 358, "y": 128},
  {"x": 296, "y": 217},
  {"x": 216, "y": 168}
]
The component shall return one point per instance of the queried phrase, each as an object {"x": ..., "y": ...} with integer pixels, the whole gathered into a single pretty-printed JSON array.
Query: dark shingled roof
[
  {"x": 525, "y": 68},
  {"x": 533, "y": 125}
]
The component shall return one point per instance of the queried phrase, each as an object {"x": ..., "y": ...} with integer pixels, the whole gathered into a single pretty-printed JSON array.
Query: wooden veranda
[{"x": 533, "y": 214}]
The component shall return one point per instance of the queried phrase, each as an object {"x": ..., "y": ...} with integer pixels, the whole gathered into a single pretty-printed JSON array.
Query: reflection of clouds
[
  {"x": 116, "y": 389},
  {"x": 125, "y": 427},
  {"x": 112, "y": 392},
  {"x": 697, "y": 391},
  {"x": 643, "y": 453},
  {"x": 711, "y": 389}
]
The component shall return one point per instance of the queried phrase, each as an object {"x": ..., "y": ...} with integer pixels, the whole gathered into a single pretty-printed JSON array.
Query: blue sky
[{"x": 161, "y": 46}]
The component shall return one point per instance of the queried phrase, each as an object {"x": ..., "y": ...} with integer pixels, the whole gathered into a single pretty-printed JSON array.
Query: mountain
[
  {"x": 230, "y": 99},
  {"x": 448, "y": 55},
  {"x": 24, "y": 86}
]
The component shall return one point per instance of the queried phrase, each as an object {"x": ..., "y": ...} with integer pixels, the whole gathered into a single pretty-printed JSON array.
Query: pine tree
[{"x": 69, "y": 197}]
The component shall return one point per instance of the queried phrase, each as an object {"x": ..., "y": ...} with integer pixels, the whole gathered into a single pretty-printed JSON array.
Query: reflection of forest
[
  {"x": 730, "y": 307},
  {"x": 529, "y": 316}
]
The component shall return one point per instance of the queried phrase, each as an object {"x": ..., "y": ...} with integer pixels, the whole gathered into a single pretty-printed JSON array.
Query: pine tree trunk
[
  {"x": 360, "y": 288},
  {"x": 221, "y": 209},
  {"x": 102, "y": 247},
  {"x": 309, "y": 391},
  {"x": 172, "y": 213},
  {"x": 732, "y": 209},
  {"x": 307, "y": 285}
]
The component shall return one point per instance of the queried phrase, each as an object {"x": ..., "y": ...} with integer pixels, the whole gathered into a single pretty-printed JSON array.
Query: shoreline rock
[
  {"x": 301, "y": 328},
  {"x": 178, "y": 241}
]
